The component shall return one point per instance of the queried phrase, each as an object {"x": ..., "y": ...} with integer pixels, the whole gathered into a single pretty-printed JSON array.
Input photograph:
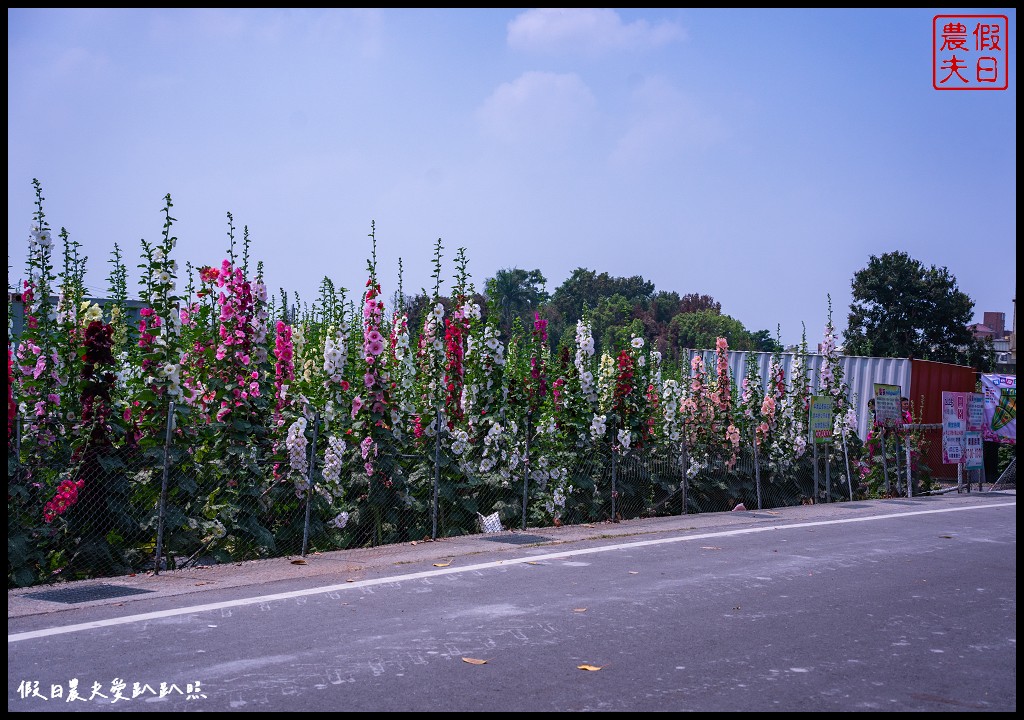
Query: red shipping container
[{"x": 928, "y": 380}]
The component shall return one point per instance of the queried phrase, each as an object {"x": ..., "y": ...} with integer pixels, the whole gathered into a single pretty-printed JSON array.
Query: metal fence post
[
  {"x": 885, "y": 465},
  {"x": 682, "y": 483},
  {"x": 757, "y": 472},
  {"x": 846, "y": 456},
  {"x": 310, "y": 481},
  {"x": 814, "y": 459},
  {"x": 910, "y": 479},
  {"x": 163, "y": 491},
  {"x": 437, "y": 471},
  {"x": 17, "y": 446},
  {"x": 828, "y": 472},
  {"x": 614, "y": 490},
  {"x": 526, "y": 471},
  {"x": 896, "y": 461}
]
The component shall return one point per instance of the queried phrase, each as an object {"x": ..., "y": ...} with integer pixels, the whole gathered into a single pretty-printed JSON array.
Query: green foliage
[
  {"x": 901, "y": 308},
  {"x": 701, "y": 329},
  {"x": 762, "y": 341},
  {"x": 515, "y": 293}
]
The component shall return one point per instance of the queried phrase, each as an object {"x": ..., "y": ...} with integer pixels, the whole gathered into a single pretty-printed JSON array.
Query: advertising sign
[
  {"x": 973, "y": 456},
  {"x": 821, "y": 419},
  {"x": 1000, "y": 393},
  {"x": 887, "y": 405},
  {"x": 954, "y": 426},
  {"x": 975, "y": 412}
]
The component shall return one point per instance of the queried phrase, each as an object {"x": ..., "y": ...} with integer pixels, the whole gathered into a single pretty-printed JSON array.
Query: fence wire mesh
[{"x": 174, "y": 507}]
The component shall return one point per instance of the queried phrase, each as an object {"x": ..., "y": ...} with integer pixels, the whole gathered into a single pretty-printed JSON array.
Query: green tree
[
  {"x": 612, "y": 320},
  {"x": 516, "y": 293},
  {"x": 764, "y": 342},
  {"x": 901, "y": 308},
  {"x": 585, "y": 288},
  {"x": 699, "y": 330}
]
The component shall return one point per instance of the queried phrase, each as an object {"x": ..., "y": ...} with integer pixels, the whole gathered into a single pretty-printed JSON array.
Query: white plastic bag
[{"x": 489, "y": 523}]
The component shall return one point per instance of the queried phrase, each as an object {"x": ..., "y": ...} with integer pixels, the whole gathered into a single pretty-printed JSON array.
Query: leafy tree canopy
[
  {"x": 699, "y": 330},
  {"x": 585, "y": 288},
  {"x": 764, "y": 342},
  {"x": 516, "y": 293},
  {"x": 901, "y": 308}
]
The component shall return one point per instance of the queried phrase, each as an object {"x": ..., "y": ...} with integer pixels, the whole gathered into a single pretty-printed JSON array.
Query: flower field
[{"x": 221, "y": 422}]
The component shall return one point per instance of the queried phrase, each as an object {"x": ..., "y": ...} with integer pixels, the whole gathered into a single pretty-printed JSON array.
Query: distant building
[
  {"x": 1006, "y": 346},
  {"x": 996, "y": 321},
  {"x": 993, "y": 327},
  {"x": 982, "y": 331},
  {"x": 1013, "y": 334}
]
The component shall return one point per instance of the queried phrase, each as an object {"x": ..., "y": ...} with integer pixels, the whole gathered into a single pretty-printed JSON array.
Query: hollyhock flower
[{"x": 624, "y": 438}]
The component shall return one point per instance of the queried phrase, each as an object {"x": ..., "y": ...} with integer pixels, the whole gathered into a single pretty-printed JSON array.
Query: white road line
[{"x": 45, "y": 632}]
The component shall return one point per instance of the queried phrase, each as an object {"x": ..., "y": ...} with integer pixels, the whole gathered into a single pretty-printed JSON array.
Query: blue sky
[{"x": 757, "y": 156}]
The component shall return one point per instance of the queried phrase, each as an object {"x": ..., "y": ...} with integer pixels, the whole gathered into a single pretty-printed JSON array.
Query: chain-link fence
[{"x": 175, "y": 506}]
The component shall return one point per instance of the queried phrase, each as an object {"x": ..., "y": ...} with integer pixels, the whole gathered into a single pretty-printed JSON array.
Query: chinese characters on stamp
[{"x": 970, "y": 52}]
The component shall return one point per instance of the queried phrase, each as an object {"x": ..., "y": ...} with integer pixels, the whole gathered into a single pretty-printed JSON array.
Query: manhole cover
[
  {"x": 518, "y": 539},
  {"x": 85, "y": 594}
]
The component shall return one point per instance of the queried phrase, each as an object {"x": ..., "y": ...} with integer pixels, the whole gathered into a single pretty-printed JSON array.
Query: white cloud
[
  {"x": 537, "y": 107},
  {"x": 590, "y": 30},
  {"x": 664, "y": 121},
  {"x": 298, "y": 29}
]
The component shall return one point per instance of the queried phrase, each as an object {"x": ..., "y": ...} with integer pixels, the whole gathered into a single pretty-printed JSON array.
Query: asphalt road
[{"x": 897, "y": 605}]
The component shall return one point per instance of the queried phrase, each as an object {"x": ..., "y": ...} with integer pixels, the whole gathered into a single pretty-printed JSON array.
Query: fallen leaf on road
[
  {"x": 298, "y": 562},
  {"x": 591, "y": 668},
  {"x": 579, "y": 609},
  {"x": 474, "y": 661},
  {"x": 531, "y": 562},
  {"x": 950, "y": 537},
  {"x": 634, "y": 572},
  {"x": 349, "y": 580},
  {"x": 444, "y": 564}
]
